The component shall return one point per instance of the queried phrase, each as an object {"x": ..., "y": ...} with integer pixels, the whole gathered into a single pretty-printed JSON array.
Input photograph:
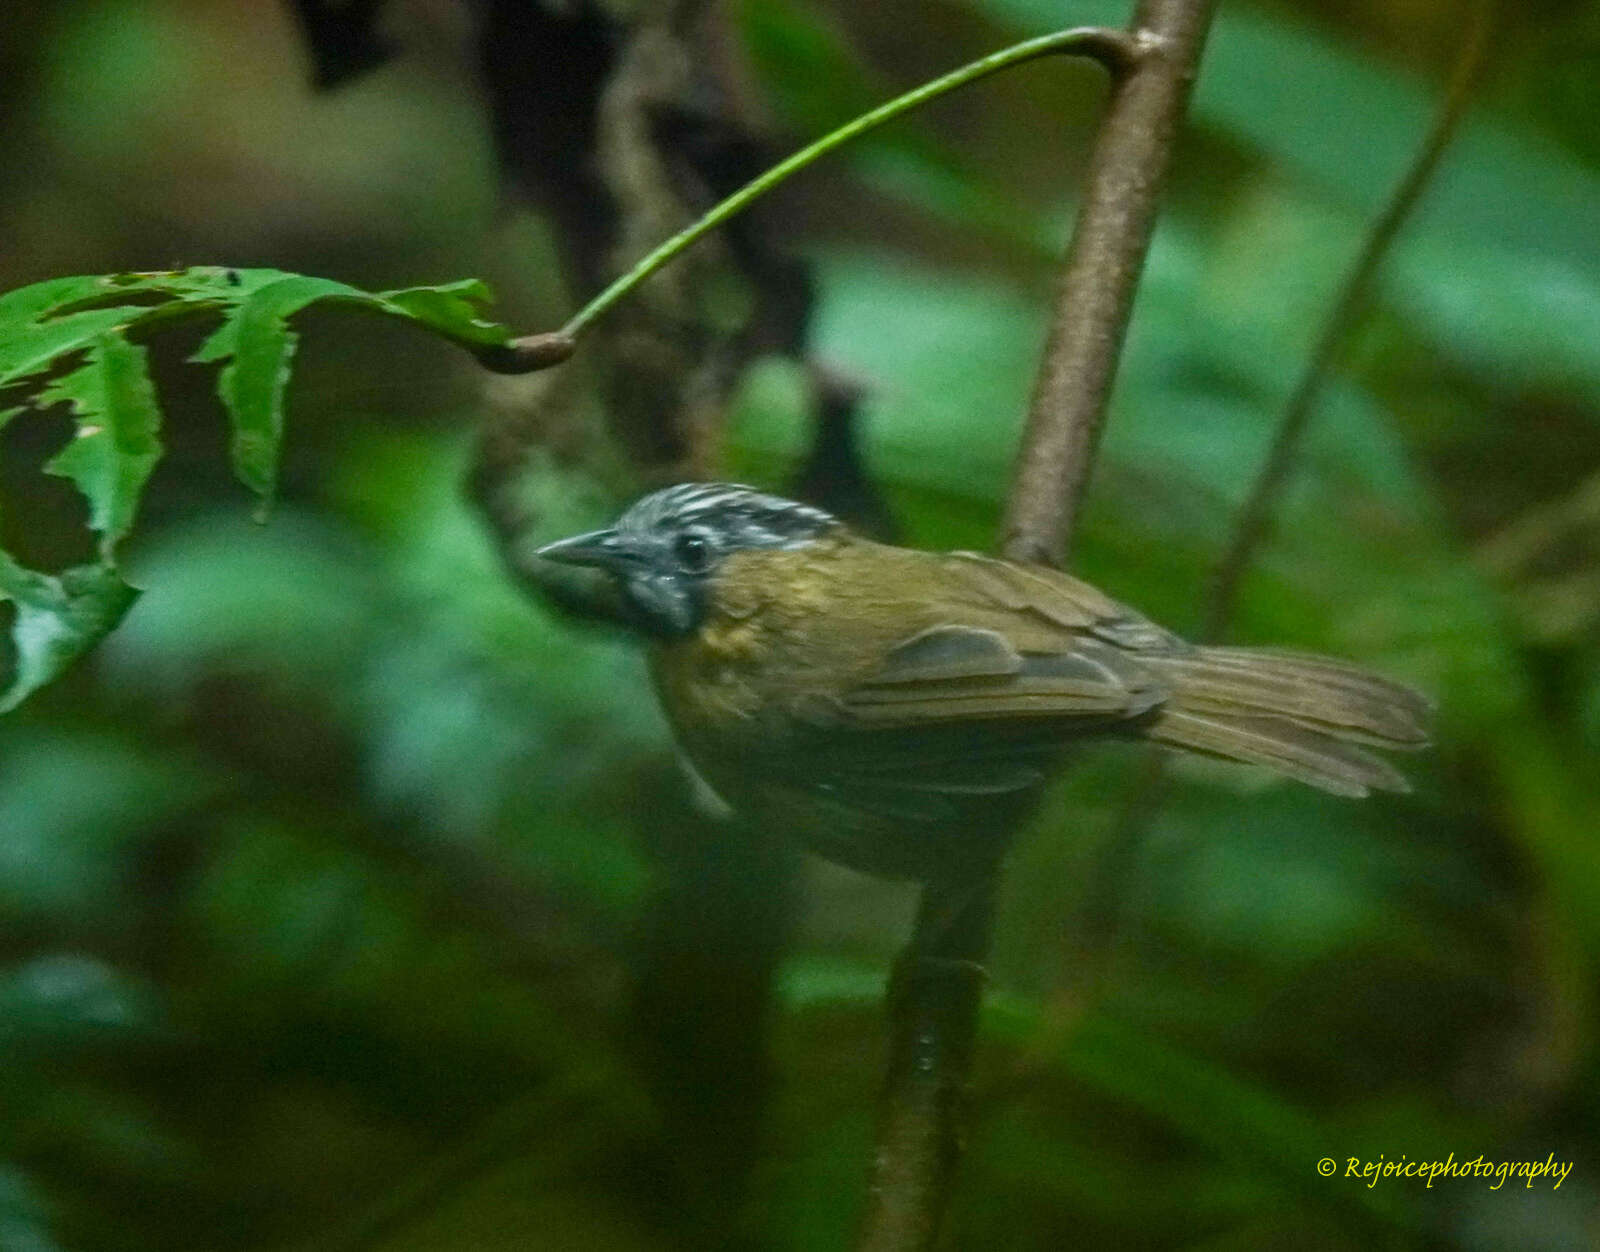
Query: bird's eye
[{"x": 692, "y": 553}]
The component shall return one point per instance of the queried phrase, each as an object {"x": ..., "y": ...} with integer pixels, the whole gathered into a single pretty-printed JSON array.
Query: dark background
[{"x": 347, "y": 899}]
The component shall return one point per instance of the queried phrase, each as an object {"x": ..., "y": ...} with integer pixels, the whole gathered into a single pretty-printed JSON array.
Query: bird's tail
[{"x": 1305, "y": 716}]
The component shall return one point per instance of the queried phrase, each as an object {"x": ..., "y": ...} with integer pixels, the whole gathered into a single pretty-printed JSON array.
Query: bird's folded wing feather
[
  {"x": 977, "y": 704},
  {"x": 1020, "y": 643}
]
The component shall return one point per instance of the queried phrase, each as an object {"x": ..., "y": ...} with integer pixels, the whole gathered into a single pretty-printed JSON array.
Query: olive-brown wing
[{"x": 981, "y": 703}]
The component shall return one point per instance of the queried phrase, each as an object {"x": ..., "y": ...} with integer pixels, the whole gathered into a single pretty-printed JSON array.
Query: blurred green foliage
[{"x": 321, "y": 882}]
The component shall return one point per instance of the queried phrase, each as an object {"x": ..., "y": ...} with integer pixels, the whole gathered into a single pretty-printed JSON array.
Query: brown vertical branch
[
  {"x": 1101, "y": 274},
  {"x": 933, "y": 1010},
  {"x": 938, "y": 985}
]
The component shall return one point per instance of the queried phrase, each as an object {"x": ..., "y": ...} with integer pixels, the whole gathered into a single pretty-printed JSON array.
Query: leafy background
[{"x": 321, "y": 882}]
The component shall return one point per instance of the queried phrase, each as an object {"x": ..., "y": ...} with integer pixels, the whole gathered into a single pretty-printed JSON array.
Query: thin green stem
[{"x": 1110, "y": 47}]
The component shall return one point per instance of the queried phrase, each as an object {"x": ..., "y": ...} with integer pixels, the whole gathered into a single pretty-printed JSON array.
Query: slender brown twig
[
  {"x": 1255, "y": 516},
  {"x": 938, "y": 985}
]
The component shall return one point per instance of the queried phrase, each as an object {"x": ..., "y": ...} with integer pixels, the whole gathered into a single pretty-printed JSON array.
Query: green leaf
[
  {"x": 31, "y": 303},
  {"x": 58, "y": 620},
  {"x": 115, "y": 445},
  {"x": 41, "y": 323},
  {"x": 31, "y": 348},
  {"x": 453, "y": 310},
  {"x": 253, "y": 383},
  {"x": 36, "y": 329},
  {"x": 261, "y": 346}
]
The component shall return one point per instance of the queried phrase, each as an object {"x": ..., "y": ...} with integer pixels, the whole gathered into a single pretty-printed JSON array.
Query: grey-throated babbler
[{"x": 898, "y": 709}]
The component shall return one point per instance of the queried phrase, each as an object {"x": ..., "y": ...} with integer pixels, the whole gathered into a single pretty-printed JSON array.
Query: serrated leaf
[
  {"x": 244, "y": 285},
  {"x": 31, "y": 303},
  {"x": 218, "y": 345},
  {"x": 253, "y": 383},
  {"x": 57, "y": 620},
  {"x": 31, "y": 348},
  {"x": 43, "y": 322},
  {"x": 261, "y": 345},
  {"x": 115, "y": 445},
  {"x": 252, "y": 387},
  {"x": 452, "y": 309}
]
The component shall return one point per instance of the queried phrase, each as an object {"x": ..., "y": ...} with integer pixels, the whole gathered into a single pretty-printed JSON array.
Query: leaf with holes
[
  {"x": 261, "y": 347},
  {"x": 453, "y": 310},
  {"x": 58, "y": 620},
  {"x": 115, "y": 445},
  {"x": 82, "y": 330}
]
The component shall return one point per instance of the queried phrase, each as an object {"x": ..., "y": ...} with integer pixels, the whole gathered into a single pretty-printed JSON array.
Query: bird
[{"x": 900, "y": 710}]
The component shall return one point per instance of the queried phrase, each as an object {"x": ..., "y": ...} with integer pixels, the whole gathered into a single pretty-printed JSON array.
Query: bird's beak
[{"x": 602, "y": 549}]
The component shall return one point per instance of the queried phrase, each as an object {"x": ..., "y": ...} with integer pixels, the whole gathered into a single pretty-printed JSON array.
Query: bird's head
[{"x": 665, "y": 550}]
